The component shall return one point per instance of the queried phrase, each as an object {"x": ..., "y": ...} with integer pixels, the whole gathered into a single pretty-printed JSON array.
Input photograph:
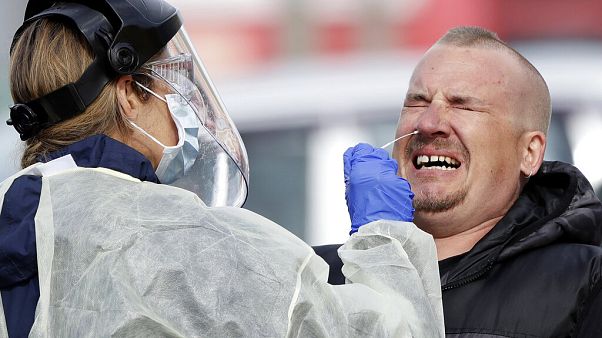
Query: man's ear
[
  {"x": 128, "y": 98},
  {"x": 533, "y": 146}
]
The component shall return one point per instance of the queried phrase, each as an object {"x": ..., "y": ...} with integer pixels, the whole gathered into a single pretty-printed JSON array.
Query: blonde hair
[{"x": 48, "y": 55}]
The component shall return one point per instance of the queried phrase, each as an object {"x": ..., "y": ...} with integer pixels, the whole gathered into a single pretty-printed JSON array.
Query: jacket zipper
[{"x": 468, "y": 280}]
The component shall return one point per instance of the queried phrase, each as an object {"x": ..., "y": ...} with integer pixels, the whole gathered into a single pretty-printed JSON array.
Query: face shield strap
[
  {"x": 70, "y": 100},
  {"x": 115, "y": 53},
  {"x": 92, "y": 24},
  {"x": 62, "y": 104}
]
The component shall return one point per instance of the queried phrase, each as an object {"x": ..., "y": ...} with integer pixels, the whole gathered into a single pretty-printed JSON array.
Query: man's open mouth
[{"x": 436, "y": 162}]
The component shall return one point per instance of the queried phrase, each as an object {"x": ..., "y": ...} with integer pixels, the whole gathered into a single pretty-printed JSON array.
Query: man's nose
[{"x": 433, "y": 122}]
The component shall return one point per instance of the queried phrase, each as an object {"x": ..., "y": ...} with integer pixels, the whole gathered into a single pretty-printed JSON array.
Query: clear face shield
[{"x": 213, "y": 162}]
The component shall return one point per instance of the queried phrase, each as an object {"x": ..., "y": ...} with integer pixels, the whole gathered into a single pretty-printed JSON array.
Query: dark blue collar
[{"x": 104, "y": 152}]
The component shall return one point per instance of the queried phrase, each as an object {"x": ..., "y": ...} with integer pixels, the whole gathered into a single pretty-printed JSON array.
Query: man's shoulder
[
  {"x": 572, "y": 263},
  {"x": 563, "y": 254},
  {"x": 559, "y": 276},
  {"x": 330, "y": 255},
  {"x": 573, "y": 252}
]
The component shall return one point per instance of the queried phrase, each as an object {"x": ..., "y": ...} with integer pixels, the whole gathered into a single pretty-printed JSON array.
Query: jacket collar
[
  {"x": 558, "y": 204},
  {"x": 103, "y": 151}
]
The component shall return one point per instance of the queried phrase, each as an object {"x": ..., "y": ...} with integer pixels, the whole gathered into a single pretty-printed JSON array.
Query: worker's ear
[
  {"x": 533, "y": 145},
  {"x": 128, "y": 99}
]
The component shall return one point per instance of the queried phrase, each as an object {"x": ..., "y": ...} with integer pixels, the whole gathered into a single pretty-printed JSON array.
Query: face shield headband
[
  {"x": 217, "y": 167},
  {"x": 122, "y": 34}
]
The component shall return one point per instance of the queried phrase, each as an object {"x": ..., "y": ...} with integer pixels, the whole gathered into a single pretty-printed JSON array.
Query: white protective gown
[{"x": 124, "y": 258}]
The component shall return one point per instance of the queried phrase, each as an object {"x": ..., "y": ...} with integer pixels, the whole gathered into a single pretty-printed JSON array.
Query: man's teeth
[{"x": 436, "y": 162}]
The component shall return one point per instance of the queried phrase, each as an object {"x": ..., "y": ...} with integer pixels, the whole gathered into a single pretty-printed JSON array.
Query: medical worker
[{"x": 125, "y": 220}]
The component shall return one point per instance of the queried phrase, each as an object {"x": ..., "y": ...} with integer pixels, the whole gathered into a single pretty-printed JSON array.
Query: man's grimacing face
[{"x": 463, "y": 165}]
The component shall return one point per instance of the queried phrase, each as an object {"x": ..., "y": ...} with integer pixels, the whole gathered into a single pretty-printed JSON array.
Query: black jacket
[{"x": 537, "y": 273}]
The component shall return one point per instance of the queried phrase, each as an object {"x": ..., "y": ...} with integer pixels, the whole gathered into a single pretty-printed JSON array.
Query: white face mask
[{"x": 178, "y": 159}]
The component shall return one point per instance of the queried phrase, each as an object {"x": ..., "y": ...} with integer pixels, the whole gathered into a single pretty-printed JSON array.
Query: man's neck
[{"x": 462, "y": 242}]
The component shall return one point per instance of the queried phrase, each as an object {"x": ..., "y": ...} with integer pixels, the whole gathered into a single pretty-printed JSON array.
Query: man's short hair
[{"x": 470, "y": 36}]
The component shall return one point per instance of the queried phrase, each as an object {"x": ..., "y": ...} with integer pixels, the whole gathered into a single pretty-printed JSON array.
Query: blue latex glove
[{"x": 372, "y": 188}]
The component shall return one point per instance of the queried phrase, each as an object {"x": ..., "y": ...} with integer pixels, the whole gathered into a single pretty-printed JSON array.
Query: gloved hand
[{"x": 373, "y": 190}]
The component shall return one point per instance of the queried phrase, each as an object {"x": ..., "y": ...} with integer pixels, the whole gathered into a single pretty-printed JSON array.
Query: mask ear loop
[
  {"x": 180, "y": 139},
  {"x": 144, "y": 132},
  {"x": 155, "y": 75},
  {"x": 148, "y": 90}
]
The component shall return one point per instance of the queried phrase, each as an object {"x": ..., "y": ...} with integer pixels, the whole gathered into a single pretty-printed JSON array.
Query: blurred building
[{"x": 305, "y": 79}]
